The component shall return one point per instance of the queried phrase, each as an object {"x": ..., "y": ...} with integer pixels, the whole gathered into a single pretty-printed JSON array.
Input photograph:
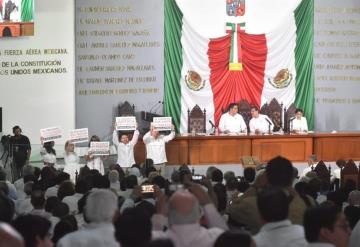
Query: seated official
[
  {"x": 259, "y": 123},
  {"x": 232, "y": 122},
  {"x": 299, "y": 124}
]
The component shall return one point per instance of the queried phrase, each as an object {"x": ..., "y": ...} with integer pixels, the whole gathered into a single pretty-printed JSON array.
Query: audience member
[
  {"x": 34, "y": 230},
  {"x": 133, "y": 228},
  {"x": 352, "y": 211},
  {"x": 228, "y": 175},
  {"x": 249, "y": 174},
  {"x": 217, "y": 176},
  {"x": 7, "y": 208},
  {"x": 24, "y": 206},
  {"x": 11, "y": 188},
  {"x": 38, "y": 202},
  {"x": 27, "y": 171},
  {"x": 183, "y": 218},
  {"x": 160, "y": 243},
  {"x": 10, "y": 237},
  {"x": 53, "y": 190},
  {"x": 66, "y": 188},
  {"x": 277, "y": 229},
  {"x": 100, "y": 231},
  {"x": 114, "y": 181},
  {"x": 234, "y": 239},
  {"x": 279, "y": 172},
  {"x": 326, "y": 225},
  {"x": 72, "y": 201}
]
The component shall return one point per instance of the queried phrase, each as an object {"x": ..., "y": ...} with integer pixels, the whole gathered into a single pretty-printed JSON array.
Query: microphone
[
  {"x": 160, "y": 103},
  {"x": 291, "y": 123},
  {"x": 212, "y": 124},
  {"x": 267, "y": 120},
  {"x": 156, "y": 104},
  {"x": 270, "y": 123}
]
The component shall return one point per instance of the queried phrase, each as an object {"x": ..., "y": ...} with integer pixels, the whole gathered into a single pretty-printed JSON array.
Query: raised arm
[
  {"x": 135, "y": 138},
  {"x": 211, "y": 214},
  {"x": 115, "y": 138},
  {"x": 170, "y": 136}
]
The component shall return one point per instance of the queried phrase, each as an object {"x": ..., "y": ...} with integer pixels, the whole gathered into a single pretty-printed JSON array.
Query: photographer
[{"x": 20, "y": 149}]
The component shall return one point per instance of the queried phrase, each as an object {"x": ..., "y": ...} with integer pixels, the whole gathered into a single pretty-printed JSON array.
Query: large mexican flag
[{"x": 214, "y": 57}]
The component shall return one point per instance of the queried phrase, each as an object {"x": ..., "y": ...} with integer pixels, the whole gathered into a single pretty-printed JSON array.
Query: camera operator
[{"x": 20, "y": 149}]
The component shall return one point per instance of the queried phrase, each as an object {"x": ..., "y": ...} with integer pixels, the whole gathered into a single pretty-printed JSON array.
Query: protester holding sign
[
  {"x": 48, "y": 154},
  {"x": 155, "y": 147},
  {"x": 95, "y": 161},
  {"x": 71, "y": 161},
  {"x": 125, "y": 148}
]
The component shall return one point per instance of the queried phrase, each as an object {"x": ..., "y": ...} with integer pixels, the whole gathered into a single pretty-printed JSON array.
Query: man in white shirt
[
  {"x": 100, "y": 208},
  {"x": 326, "y": 226},
  {"x": 24, "y": 206},
  {"x": 259, "y": 123},
  {"x": 183, "y": 215},
  {"x": 311, "y": 166},
  {"x": 232, "y": 122},
  {"x": 38, "y": 203},
  {"x": 299, "y": 123},
  {"x": 277, "y": 230},
  {"x": 155, "y": 147},
  {"x": 125, "y": 148}
]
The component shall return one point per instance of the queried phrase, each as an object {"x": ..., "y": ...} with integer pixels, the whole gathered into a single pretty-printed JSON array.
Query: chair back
[{"x": 197, "y": 120}]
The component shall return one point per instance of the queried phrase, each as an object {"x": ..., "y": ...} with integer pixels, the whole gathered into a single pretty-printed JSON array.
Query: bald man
[
  {"x": 184, "y": 213},
  {"x": 10, "y": 237}
]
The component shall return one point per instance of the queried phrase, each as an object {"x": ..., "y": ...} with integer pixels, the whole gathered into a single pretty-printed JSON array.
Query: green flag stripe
[
  {"x": 26, "y": 10},
  {"x": 304, "y": 17},
  {"x": 173, "y": 62}
]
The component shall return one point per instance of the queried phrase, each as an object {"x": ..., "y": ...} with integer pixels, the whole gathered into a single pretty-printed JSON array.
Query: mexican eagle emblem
[
  {"x": 194, "y": 81},
  {"x": 282, "y": 79}
]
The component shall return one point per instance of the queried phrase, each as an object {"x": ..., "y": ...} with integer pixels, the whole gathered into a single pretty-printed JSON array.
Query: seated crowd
[{"x": 268, "y": 206}]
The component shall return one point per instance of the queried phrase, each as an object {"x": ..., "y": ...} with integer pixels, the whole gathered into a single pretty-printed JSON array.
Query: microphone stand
[
  {"x": 291, "y": 124},
  {"x": 269, "y": 123},
  {"x": 152, "y": 107},
  {"x": 212, "y": 127}
]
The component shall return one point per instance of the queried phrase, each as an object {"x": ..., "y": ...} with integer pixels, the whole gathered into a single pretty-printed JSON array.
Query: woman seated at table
[{"x": 299, "y": 124}]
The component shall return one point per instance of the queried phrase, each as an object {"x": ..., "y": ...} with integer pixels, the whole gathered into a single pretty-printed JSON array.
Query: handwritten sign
[
  {"x": 162, "y": 123},
  {"x": 50, "y": 134},
  {"x": 99, "y": 148},
  {"x": 79, "y": 135},
  {"x": 125, "y": 123}
]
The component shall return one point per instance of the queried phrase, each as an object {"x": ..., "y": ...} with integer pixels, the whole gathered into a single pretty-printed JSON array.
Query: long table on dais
[{"x": 197, "y": 150}]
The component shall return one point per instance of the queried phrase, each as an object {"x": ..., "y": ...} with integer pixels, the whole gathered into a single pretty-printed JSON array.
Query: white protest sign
[
  {"x": 162, "y": 123},
  {"x": 50, "y": 134},
  {"x": 79, "y": 135},
  {"x": 125, "y": 123},
  {"x": 99, "y": 148}
]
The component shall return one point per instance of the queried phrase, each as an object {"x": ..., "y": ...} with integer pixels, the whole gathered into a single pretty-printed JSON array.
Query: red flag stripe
[{"x": 232, "y": 86}]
